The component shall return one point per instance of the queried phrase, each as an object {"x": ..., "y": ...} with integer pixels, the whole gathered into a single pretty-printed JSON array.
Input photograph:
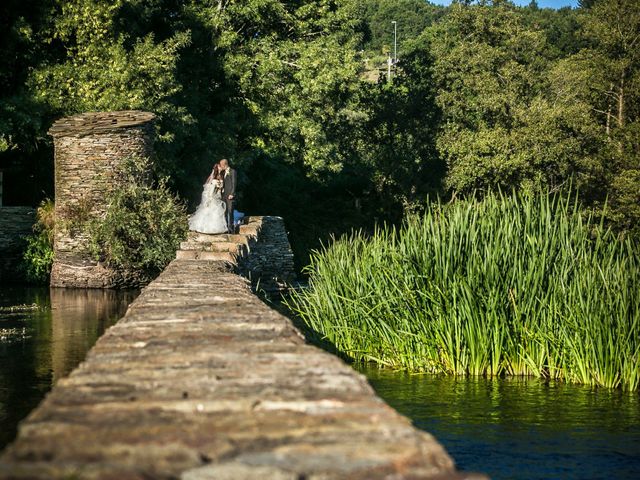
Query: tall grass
[{"x": 510, "y": 285}]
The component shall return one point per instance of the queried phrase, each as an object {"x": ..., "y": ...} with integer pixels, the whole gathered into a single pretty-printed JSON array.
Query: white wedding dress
[{"x": 210, "y": 216}]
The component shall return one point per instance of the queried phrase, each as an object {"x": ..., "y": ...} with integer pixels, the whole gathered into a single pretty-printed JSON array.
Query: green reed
[{"x": 509, "y": 285}]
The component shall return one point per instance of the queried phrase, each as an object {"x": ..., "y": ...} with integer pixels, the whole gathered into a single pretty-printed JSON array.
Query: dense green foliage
[
  {"x": 516, "y": 115},
  {"x": 517, "y": 285},
  {"x": 485, "y": 95},
  {"x": 38, "y": 256},
  {"x": 142, "y": 227},
  {"x": 412, "y": 17}
]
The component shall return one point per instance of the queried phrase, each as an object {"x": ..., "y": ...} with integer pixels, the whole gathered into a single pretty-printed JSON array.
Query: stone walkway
[{"x": 201, "y": 380}]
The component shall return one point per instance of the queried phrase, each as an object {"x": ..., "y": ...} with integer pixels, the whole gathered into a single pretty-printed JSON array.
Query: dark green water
[
  {"x": 510, "y": 429},
  {"x": 46, "y": 344},
  {"x": 521, "y": 428}
]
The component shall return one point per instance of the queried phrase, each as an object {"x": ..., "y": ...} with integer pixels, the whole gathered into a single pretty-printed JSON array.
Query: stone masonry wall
[
  {"x": 269, "y": 263},
  {"x": 87, "y": 149},
  {"x": 15, "y": 224}
]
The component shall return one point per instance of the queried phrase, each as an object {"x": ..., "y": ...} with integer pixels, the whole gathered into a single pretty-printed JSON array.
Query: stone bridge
[{"x": 202, "y": 380}]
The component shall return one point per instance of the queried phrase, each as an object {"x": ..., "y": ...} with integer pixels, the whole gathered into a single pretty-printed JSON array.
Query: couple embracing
[{"x": 215, "y": 212}]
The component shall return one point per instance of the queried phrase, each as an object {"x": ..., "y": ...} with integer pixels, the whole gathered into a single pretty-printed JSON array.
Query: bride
[{"x": 210, "y": 215}]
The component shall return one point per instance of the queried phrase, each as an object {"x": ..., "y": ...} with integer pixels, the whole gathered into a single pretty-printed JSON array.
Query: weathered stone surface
[
  {"x": 201, "y": 380},
  {"x": 15, "y": 224},
  {"x": 205, "y": 255},
  {"x": 269, "y": 264},
  {"x": 87, "y": 124},
  {"x": 260, "y": 251},
  {"x": 88, "y": 147}
]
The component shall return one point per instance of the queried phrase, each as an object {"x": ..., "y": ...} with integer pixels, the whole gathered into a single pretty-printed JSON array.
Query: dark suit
[{"x": 229, "y": 189}]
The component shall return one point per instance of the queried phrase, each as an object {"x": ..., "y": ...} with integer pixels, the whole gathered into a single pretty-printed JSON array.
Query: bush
[
  {"x": 38, "y": 256},
  {"x": 143, "y": 224},
  {"x": 519, "y": 285}
]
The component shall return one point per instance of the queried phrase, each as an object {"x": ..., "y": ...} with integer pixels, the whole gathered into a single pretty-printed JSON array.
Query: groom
[{"x": 228, "y": 191}]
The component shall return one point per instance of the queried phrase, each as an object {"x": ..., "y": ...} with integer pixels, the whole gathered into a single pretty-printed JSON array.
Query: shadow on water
[
  {"x": 52, "y": 340},
  {"x": 521, "y": 428}
]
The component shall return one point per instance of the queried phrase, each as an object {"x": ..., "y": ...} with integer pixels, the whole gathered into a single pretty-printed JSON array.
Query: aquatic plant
[{"x": 507, "y": 285}]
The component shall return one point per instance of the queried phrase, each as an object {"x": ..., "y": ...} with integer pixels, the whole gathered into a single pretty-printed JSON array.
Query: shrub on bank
[
  {"x": 143, "y": 225},
  {"x": 510, "y": 285},
  {"x": 38, "y": 256}
]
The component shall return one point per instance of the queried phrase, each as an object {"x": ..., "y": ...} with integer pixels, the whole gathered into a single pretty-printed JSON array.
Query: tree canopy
[{"x": 486, "y": 94}]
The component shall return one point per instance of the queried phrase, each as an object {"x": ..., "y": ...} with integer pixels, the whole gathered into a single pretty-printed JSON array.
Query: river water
[
  {"x": 509, "y": 429},
  {"x": 39, "y": 346},
  {"x": 521, "y": 428}
]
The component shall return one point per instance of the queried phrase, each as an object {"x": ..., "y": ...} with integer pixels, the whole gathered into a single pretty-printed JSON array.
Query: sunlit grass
[{"x": 515, "y": 285}]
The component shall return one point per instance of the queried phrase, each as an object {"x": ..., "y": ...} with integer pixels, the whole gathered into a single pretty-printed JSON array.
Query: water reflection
[
  {"x": 522, "y": 428},
  {"x": 58, "y": 335},
  {"x": 78, "y": 318}
]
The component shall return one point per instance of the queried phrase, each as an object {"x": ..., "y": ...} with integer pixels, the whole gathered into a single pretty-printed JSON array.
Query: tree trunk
[
  {"x": 621, "y": 102},
  {"x": 609, "y": 109}
]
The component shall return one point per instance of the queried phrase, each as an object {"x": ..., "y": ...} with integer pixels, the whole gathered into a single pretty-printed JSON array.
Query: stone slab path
[{"x": 201, "y": 380}]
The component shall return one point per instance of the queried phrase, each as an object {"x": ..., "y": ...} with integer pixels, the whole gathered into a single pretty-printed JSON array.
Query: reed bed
[{"x": 509, "y": 285}]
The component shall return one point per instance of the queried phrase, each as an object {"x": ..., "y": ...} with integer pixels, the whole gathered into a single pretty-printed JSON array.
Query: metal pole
[{"x": 395, "y": 42}]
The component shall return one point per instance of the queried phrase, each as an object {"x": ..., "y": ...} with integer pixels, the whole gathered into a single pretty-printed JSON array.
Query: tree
[
  {"x": 298, "y": 78},
  {"x": 613, "y": 26},
  {"x": 22, "y": 117},
  {"x": 413, "y": 16},
  {"x": 611, "y": 86},
  {"x": 104, "y": 69},
  {"x": 561, "y": 27},
  {"x": 226, "y": 78},
  {"x": 397, "y": 140},
  {"x": 500, "y": 126}
]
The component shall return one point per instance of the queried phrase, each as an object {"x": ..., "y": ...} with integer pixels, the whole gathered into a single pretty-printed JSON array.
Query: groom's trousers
[{"x": 229, "y": 212}]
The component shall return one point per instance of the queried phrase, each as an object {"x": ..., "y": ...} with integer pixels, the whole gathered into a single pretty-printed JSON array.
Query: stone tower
[{"x": 87, "y": 148}]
